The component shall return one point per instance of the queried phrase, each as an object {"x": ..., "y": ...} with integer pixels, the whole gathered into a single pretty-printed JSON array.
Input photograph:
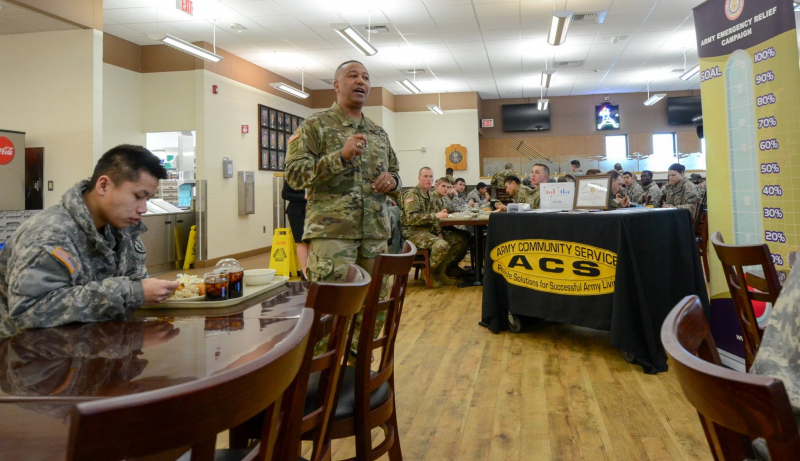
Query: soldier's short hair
[
  {"x": 575, "y": 163},
  {"x": 546, "y": 168},
  {"x": 126, "y": 162},
  {"x": 618, "y": 166},
  {"x": 512, "y": 178},
  {"x": 425, "y": 168},
  {"x": 647, "y": 172},
  {"x": 448, "y": 171},
  {"x": 592, "y": 172},
  {"x": 677, "y": 167},
  {"x": 342, "y": 65},
  {"x": 509, "y": 166},
  {"x": 614, "y": 175},
  {"x": 628, "y": 173},
  {"x": 458, "y": 180},
  {"x": 443, "y": 180}
]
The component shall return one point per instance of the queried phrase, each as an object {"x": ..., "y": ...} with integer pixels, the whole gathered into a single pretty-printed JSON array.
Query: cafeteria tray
[{"x": 249, "y": 292}]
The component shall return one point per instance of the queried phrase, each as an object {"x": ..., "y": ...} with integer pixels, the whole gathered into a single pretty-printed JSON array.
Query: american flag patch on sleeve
[{"x": 65, "y": 259}]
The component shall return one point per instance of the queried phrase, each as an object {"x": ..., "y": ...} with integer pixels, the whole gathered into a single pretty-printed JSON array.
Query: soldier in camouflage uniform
[
  {"x": 422, "y": 210},
  {"x": 680, "y": 192},
  {"x": 449, "y": 175},
  {"x": 82, "y": 260},
  {"x": 649, "y": 189},
  {"x": 615, "y": 198},
  {"x": 478, "y": 196},
  {"x": 632, "y": 188},
  {"x": 520, "y": 194},
  {"x": 499, "y": 178}
]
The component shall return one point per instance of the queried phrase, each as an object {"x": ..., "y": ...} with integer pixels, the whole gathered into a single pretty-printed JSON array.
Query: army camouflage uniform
[
  {"x": 499, "y": 178},
  {"x": 682, "y": 195},
  {"x": 347, "y": 222},
  {"x": 653, "y": 192},
  {"x": 58, "y": 268},
  {"x": 635, "y": 192},
  {"x": 478, "y": 198},
  {"x": 455, "y": 204},
  {"x": 527, "y": 195},
  {"x": 451, "y": 179},
  {"x": 421, "y": 227}
]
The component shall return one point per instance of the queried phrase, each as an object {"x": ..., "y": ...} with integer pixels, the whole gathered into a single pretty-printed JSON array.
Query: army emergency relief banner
[{"x": 751, "y": 104}]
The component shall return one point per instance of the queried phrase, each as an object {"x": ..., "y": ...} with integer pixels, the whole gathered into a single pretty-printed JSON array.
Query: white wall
[
  {"x": 51, "y": 87},
  {"x": 122, "y": 107},
  {"x": 219, "y": 135},
  {"x": 414, "y": 130}
]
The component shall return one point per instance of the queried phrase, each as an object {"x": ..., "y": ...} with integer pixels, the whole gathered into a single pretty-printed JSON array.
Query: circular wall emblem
[
  {"x": 733, "y": 9},
  {"x": 456, "y": 157},
  {"x": 6, "y": 150}
]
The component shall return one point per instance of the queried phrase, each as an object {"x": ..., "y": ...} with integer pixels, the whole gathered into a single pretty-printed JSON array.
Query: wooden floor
[{"x": 551, "y": 392}]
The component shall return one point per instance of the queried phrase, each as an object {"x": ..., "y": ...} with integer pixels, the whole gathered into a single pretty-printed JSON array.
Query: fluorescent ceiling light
[
  {"x": 691, "y": 73},
  {"x": 185, "y": 46},
  {"x": 654, "y": 99},
  {"x": 289, "y": 89},
  {"x": 547, "y": 76},
  {"x": 559, "y": 25},
  {"x": 435, "y": 109},
  {"x": 543, "y": 104},
  {"x": 355, "y": 39},
  {"x": 409, "y": 85}
]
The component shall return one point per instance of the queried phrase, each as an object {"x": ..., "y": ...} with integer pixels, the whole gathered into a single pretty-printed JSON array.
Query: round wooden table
[{"x": 44, "y": 372}]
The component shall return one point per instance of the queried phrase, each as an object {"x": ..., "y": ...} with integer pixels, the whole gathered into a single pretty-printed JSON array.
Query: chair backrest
[
  {"x": 698, "y": 208},
  {"x": 734, "y": 407},
  {"x": 734, "y": 259},
  {"x": 396, "y": 269},
  {"x": 334, "y": 306},
  {"x": 191, "y": 414}
]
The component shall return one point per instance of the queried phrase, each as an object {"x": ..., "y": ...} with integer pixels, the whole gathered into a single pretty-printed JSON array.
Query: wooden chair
[
  {"x": 734, "y": 258},
  {"x": 701, "y": 237},
  {"x": 422, "y": 261},
  {"x": 191, "y": 414},
  {"x": 733, "y": 407},
  {"x": 334, "y": 306},
  {"x": 367, "y": 397}
]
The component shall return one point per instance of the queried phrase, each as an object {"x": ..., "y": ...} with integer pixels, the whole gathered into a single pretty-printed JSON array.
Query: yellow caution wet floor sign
[
  {"x": 284, "y": 255},
  {"x": 191, "y": 249}
]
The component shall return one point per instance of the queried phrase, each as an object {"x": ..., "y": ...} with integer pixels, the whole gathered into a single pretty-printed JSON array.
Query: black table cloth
[{"x": 616, "y": 271}]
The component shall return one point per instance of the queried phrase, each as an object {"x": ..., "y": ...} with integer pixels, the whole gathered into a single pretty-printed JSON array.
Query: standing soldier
[
  {"x": 448, "y": 173},
  {"x": 499, "y": 178},
  {"x": 347, "y": 164},
  {"x": 422, "y": 210}
]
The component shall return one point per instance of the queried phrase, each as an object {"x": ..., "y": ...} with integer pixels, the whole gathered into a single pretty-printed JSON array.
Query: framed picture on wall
[
  {"x": 273, "y": 139},
  {"x": 281, "y": 140},
  {"x": 264, "y": 115},
  {"x": 300, "y": 121},
  {"x": 272, "y": 122},
  {"x": 280, "y": 121},
  {"x": 281, "y": 161},
  {"x": 273, "y": 160},
  {"x": 264, "y": 138},
  {"x": 263, "y": 164},
  {"x": 294, "y": 123}
]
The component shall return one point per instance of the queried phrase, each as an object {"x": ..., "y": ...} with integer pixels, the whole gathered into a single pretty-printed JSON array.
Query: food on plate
[{"x": 191, "y": 287}]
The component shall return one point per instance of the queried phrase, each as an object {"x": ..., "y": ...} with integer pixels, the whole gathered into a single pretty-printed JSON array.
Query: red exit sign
[
  {"x": 187, "y": 6},
  {"x": 487, "y": 123}
]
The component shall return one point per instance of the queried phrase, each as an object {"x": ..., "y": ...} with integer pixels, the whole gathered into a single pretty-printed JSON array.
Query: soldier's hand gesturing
[
  {"x": 384, "y": 183},
  {"x": 156, "y": 290},
  {"x": 442, "y": 214},
  {"x": 354, "y": 145}
]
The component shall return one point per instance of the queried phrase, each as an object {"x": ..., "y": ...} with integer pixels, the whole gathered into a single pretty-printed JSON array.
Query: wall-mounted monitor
[
  {"x": 687, "y": 110},
  {"x": 607, "y": 116},
  {"x": 525, "y": 117}
]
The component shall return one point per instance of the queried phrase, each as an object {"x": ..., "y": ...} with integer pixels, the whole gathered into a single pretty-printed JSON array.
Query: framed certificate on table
[{"x": 592, "y": 192}]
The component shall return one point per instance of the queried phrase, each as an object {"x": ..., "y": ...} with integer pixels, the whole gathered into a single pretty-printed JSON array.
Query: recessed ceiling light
[{"x": 237, "y": 27}]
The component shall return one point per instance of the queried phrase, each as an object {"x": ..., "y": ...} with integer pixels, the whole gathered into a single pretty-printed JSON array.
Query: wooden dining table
[
  {"x": 45, "y": 372},
  {"x": 478, "y": 224}
]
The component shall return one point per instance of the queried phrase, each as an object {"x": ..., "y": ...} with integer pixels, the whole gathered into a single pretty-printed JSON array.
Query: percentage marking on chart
[
  {"x": 774, "y": 236},
  {"x": 777, "y": 259},
  {"x": 767, "y": 122},
  {"x": 766, "y": 100},
  {"x": 772, "y": 191},
  {"x": 773, "y": 213},
  {"x": 765, "y": 77},
  {"x": 770, "y": 168},
  {"x": 765, "y": 54},
  {"x": 769, "y": 144}
]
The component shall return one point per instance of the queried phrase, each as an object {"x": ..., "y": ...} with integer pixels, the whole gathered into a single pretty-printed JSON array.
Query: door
[{"x": 34, "y": 178}]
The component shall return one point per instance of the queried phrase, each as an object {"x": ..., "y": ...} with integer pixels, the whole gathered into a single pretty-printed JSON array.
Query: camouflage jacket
[
  {"x": 419, "y": 211},
  {"x": 456, "y": 203},
  {"x": 58, "y": 268},
  {"x": 499, "y": 178},
  {"x": 653, "y": 192},
  {"x": 478, "y": 198},
  {"x": 527, "y": 195},
  {"x": 682, "y": 195},
  {"x": 341, "y": 201},
  {"x": 635, "y": 192}
]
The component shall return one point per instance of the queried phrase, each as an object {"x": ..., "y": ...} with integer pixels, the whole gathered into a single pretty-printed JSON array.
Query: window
[
  {"x": 664, "y": 144},
  {"x": 617, "y": 147}
]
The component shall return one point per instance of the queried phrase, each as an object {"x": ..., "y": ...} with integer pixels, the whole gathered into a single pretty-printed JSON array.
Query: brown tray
[{"x": 249, "y": 292}]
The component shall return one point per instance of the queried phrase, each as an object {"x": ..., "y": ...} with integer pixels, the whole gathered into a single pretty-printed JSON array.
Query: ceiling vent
[
  {"x": 377, "y": 30},
  {"x": 329, "y": 81},
  {"x": 415, "y": 71},
  {"x": 588, "y": 18},
  {"x": 567, "y": 64}
]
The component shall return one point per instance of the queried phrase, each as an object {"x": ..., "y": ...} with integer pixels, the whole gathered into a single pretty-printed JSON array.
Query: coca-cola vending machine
[{"x": 12, "y": 170}]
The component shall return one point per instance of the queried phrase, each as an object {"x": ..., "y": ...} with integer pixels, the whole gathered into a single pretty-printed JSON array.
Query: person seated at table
[
  {"x": 616, "y": 199},
  {"x": 479, "y": 196},
  {"x": 566, "y": 178},
  {"x": 618, "y": 168},
  {"x": 520, "y": 194},
  {"x": 632, "y": 188},
  {"x": 576, "y": 169},
  {"x": 460, "y": 186},
  {"x": 499, "y": 178},
  {"x": 679, "y": 192},
  {"x": 592, "y": 172},
  {"x": 699, "y": 183},
  {"x": 82, "y": 260},
  {"x": 452, "y": 206},
  {"x": 455, "y": 201},
  {"x": 422, "y": 211},
  {"x": 651, "y": 192}
]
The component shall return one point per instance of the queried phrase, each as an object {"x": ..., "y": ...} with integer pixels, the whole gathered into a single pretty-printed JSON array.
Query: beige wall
[
  {"x": 52, "y": 89},
  {"x": 122, "y": 107},
  {"x": 435, "y": 132},
  {"x": 168, "y": 101},
  {"x": 219, "y": 135}
]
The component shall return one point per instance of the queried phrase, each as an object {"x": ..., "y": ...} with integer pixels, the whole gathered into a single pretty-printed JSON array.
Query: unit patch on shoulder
[
  {"x": 138, "y": 246},
  {"x": 65, "y": 259},
  {"x": 295, "y": 135},
  {"x": 410, "y": 199}
]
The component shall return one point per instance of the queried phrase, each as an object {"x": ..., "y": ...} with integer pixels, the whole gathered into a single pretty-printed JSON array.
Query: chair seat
[{"x": 347, "y": 397}]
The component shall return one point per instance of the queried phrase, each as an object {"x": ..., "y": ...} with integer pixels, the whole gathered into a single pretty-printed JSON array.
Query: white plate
[{"x": 193, "y": 298}]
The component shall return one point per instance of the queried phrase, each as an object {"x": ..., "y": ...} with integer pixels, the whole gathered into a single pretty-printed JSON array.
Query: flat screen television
[
  {"x": 686, "y": 110},
  {"x": 607, "y": 117},
  {"x": 525, "y": 117}
]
